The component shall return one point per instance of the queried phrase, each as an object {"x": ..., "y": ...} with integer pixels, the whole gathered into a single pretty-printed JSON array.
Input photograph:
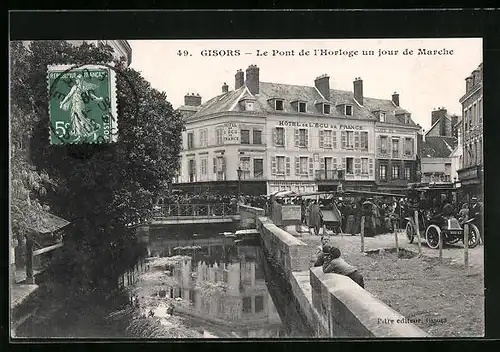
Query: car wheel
[
  {"x": 410, "y": 232},
  {"x": 432, "y": 236},
  {"x": 474, "y": 236}
]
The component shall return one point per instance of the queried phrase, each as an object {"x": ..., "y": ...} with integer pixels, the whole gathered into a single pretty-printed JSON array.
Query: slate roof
[
  {"x": 291, "y": 93},
  {"x": 438, "y": 147}
]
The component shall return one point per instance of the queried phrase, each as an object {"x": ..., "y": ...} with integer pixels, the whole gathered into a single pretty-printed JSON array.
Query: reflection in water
[{"x": 225, "y": 283}]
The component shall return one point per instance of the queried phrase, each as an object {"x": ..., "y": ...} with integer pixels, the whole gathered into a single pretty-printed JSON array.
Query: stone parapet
[{"x": 350, "y": 311}]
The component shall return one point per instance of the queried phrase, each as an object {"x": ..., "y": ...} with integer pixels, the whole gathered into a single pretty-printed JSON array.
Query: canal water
[
  {"x": 220, "y": 286},
  {"x": 248, "y": 298}
]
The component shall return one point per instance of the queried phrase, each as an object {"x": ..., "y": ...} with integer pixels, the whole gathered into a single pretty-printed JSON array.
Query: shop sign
[
  {"x": 319, "y": 125},
  {"x": 468, "y": 173},
  {"x": 231, "y": 133}
]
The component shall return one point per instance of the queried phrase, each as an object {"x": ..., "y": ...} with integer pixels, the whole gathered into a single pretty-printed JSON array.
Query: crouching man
[{"x": 331, "y": 262}]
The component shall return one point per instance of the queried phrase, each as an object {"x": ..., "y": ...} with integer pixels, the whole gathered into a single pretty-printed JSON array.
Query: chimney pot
[
  {"x": 322, "y": 84},
  {"x": 252, "y": 79},
  {"x": 239, "y": 79},
  {"x": 358, "y": 90},
  {"x": 395, "y": 98},
  {"x": 190, "y": 99}
]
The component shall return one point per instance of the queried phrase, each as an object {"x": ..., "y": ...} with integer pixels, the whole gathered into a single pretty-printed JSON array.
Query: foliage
[
  {"x": 101, "y": 188},
  {"x": 28, "y": 187}
]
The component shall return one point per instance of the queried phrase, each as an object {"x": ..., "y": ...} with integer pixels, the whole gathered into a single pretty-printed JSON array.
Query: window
[
  {"x": 278, "y": 104},
  {"x": 247, "y": 305},
  {"x": 245, "y": 166},
  {"x": 279, "y": 136},
  {"x": 203, "y": 138},
  {"x": 349, "y": 139},
  {"x": 474, "y": 109},
  {"x": 257, "y": 137},
  {"x": 326, "y": 108},
  {"x": 395, "y": 148},
  {"x": 407, "y": 119},
  {"x": 280, "y": 164},
  {"x": 348, "y": 110},
  {"x": 204, "y": 166},
  {"x": 302, "y": 107},
  {"x": 219, "y": 135},
  {"x": 190, "y": 140},
  {"x": 364, "y": 141},
  {"x": 383, "y": 172},
  {"x": 408, "y": 146},
  {"x": 328, "y": 139},
  {"x": 303, "y": 165},
  {"x": 303, "y": 137},
  {"x": 383, "y": 144},
  {"x": 349, "y": 165},
  {"x": 245, "y": 136},
  {"x": 407, "y": 173},
  {"x": 364, "y": 165},
  {"x": 395, "y": 171},
  {"x": 480, "y": 112},
  {"x": 259, "y": 304},
  {"x": 382, "y": 116},
  {"x": 192, "y": 170},
  {"x": 249, "y": 105},
  {"x": 258, "y": 168}
]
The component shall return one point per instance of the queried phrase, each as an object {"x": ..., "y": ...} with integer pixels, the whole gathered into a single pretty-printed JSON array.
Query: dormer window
[
  {"x": 326, "y": 109},
  {"x": 302, "y": 106},
  {"x": 278, "y": 105},
  {"x": 348, "y": 110},
  {"x": 249, "y": 105},
  {"x": 407, "y": 119},
  {"x": 382, "y": 116}
]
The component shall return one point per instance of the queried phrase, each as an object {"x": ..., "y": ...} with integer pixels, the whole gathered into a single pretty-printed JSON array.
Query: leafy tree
[
  {"x": 101, "y": 187},
  {"x": 28, "y": 186}
]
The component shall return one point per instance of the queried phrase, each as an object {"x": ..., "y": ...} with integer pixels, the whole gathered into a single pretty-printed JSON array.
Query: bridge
[{"x": 176, "y": 214}]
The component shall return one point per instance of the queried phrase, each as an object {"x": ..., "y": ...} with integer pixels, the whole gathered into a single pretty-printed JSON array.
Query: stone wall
[
  {"x": 288, "y": 252},
  {"x": 350, "y": 311},
  {"x": 248, "y": 216}
]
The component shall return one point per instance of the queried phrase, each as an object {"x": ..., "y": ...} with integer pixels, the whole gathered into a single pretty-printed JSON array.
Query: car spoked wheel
[
  {"x": 432, "y": 236},
  {"x": 473, "y": 236},
  {"x": 410, "y": 234}
]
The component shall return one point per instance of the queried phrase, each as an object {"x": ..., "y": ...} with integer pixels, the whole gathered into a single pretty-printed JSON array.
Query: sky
[{"x": 424, "y": 82}]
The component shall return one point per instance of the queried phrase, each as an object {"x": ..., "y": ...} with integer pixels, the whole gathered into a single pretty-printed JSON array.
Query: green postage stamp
[{"x": 82, "y": 104}]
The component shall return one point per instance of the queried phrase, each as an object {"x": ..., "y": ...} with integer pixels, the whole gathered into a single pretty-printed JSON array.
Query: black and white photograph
[{"x": 246, "y": 189}]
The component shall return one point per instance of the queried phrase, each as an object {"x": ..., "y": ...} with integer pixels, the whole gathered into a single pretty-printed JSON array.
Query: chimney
[
  {"x": 322, "y": 84},
  {"x": 437, "y": 114},
  {"x": 239, "y": 79},
  {"x": 225, "y": 88},
  {"x": 358, "y": 90},
  {"x": 192, "y": 99},
  {"x": 468, "y": 83},
  {"x": 395, "y": 98},
  {"x": 252, "y": 79}
]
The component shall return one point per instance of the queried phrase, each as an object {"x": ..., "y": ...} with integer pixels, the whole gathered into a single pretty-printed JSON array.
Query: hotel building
[{"x": 290, "y": 137}]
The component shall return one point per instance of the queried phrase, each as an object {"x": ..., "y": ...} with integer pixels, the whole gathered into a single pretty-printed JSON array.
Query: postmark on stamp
[{"x": 82, "y": 104}]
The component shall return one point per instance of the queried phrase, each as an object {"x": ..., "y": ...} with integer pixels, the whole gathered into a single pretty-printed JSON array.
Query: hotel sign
[
  {"x": 319, "y": 125},
  {"x": 231, "y": 133}
]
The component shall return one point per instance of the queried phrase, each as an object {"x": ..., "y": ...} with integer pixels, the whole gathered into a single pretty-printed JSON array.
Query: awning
[{"x": 44, "y": 222}]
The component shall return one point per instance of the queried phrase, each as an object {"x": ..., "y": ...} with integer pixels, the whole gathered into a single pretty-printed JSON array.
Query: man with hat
[
  {"x": 475, "y": 212},
  {"x": 329, "y": 258}
]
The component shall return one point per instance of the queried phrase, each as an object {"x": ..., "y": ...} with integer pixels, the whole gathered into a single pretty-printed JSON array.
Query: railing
[
  {"x": 330, "y": 175},
  {"x": 195, "y": 210}
]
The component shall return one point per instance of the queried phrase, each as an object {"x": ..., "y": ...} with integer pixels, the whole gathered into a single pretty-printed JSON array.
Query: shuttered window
[
  {"x": 364, "y": 141},
  {"x": 280, "y": 165},
  {"x": 301, "y": 137},
  {"x": 287, "y": 166},
  {"x": 370, "y": 166},
  {"x": 334, "y": 139},
  {"x": 356, "y": 140},
  {"x": 357, "y": 166},
  {"x": 279, "y": 137}
]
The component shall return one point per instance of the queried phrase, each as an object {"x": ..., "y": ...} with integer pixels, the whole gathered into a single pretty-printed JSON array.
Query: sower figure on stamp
[
  {"x": 331, "y": 262},
  {"x": 81, "y": 125}
]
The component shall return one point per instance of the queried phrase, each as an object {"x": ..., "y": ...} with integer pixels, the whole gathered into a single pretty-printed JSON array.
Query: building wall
[
  {"x": 472, "y": 127},
  {"x": 436, "y": 170},
  {"x": 297, "y": 175},
  {"x": 403, "y": 157}
]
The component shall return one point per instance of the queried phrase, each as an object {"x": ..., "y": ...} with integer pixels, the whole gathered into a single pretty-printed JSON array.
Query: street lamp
[{"x": 240, "y": 171}]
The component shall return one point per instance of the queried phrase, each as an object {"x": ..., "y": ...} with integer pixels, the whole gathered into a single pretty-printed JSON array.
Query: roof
[
  {"x": 438, "y": 147},
  {"x": 289, "y": 93},
  {"x": 44, "y": 222}
]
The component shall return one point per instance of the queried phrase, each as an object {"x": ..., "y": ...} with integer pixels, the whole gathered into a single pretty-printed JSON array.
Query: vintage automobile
[{"x": 432, "y": 224}]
